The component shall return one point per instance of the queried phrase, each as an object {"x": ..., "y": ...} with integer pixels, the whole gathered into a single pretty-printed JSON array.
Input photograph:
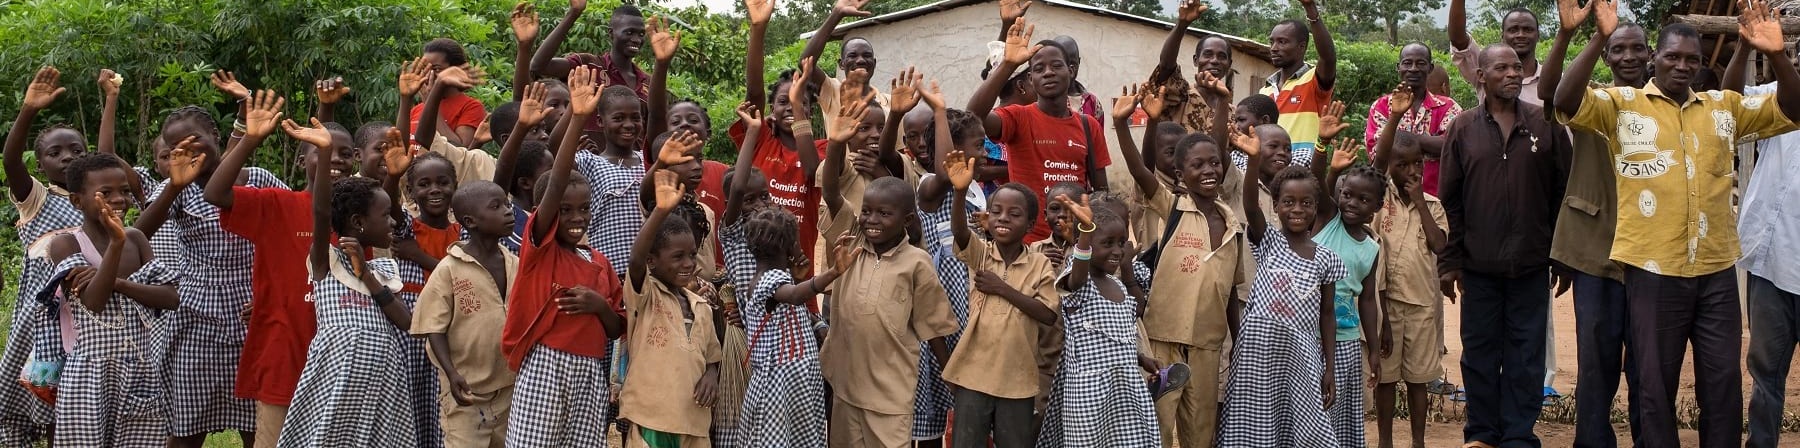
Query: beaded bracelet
[{"x": 1082, "y": 253}]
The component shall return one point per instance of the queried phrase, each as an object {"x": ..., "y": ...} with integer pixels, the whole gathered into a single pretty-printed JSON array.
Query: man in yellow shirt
[{"x": 1677, "y": 232}]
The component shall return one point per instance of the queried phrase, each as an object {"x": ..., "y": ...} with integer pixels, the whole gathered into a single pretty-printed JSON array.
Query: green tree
[
  {"x": 1385, "y": 15},
  {"x": 1142, "y": 8}
]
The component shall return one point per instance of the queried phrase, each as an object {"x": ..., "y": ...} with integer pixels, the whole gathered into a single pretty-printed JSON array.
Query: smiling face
[
  {"x": 1678, "y": 62},
  {"x": 1501, "y": 72},
  {"x": 343, "y": 156},
  {"x": 884, "y": 217},
  {"x": 627, "y": 34},
  {"x": 1358, "y": 198},
  {"x": 1050, "y": 74},
  {"x": 868, "y": 132},
  {"x": 1109, "y": 240},
  {"x": 572, "y": 218},
  {"x": 1203, "y": 169},
  {"x": 1287, "y": 46},
  {"x": 1415, "y": 65},
  {"x": 1628, "y": 55},
  {"x": 206, "y": 141},
  {"x": 1276, "y": 149},
  {"x": 431, "y": 182},
  {"x": 857, "y": 53},
  {"x": 377, "y": 225},
  {"x": 1520, "y": 31},
  {"x": 1009, "y": 217},
  {"x": 1213, "y": 56},
  {"x": 1295, "y": 204},
  {"x": 114, "y": 187},
  {"x": 673, "y": 261},
  {"x": 781, "y": 107},
  {"x": 373, "y": 165},
  {"x": 622, "y": 121},
  {"x": 55, "y": 149},
  {"x": 687, "y": 116}
]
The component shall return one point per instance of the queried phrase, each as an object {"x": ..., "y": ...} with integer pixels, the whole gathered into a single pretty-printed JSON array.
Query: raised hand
[
  {"x": 399, "y": 154},
  {"x": 185, "y": 163},
  {"x": 668, "y": 190},
  {"x": 1211, "y": 86},
  {"x": 855, "y": 83},
  {"x": 414, "y": 76},
  {"x": 748, "y": 113},
  {"x": 1248, "y": 142},
  {"x": 531, "y": 107},
  {"x": 263, "y": 110},
  {"x": 1759, "y": 26},
  {"x": 1332, "y": 121},
  {"x": 1151, "y": 99},
  {"x": 524, "y": 22},
  {"x": 679, "y": 148},
  {"x": 1343, "y": 157},
  {"x": 114, "y": 218},
  {"x": 797, "y": 89},
  {"x": 849, "y": 115},
  {"x": 1190, "y": 10},
  {"x": 1018, "y": 42},
  {"x": 462, "y": 77},
  {"x": 584, "y": 92},
  {"x": 1126, "y": 103},
  {"x": 851, "y": 8},
  {"x": 1081, "y": 211},
  {"x": 1572, "y": 14},
  {"x": 109, "y": 82},
  {"x": 316, "y": 135},
  {"x": 960, "y": 168},
  {"x": 227, "y": 83},
  {"x": 1011, "y": 10},
  {"x": 663, "y": 42},
  {"x": 843, "y": 253},
  {"x": 330, "y": 91},
  {"x": 759, "y": 11},
  {"x": 1606, "y": 15},
  {"x": 43, "y": 89},
  {"x": 1401, "y": 100},
  {"x": 905, "y": 90},
  {"x": 933, "y": 96}
]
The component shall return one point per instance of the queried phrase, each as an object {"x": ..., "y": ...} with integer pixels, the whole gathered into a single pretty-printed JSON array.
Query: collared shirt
[
  {"x": 1501, "y": 188},
  {"x": 1194, "y": 276},
  {"x": 1589, "y": 213},
  {"x": 669, "y": 353},
  {"x": 883, "y": 307},
  {"x": 1467, "y": 60},
  {"x": 1770, "y": 201},
  {"x": 470, "y": 164},
  {"x": 1410, "y": 265},
  {"x": 1430, "y": 119},
  {"x": 1674, "y": 171},
  {"x": 1301, "y": 102},
  {"x": 462, "y": 302},
  {"x": 998, "y": 351}
]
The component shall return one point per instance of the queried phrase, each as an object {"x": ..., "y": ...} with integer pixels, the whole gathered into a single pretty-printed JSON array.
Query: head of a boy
[
  {"x": 1360, "y": 193},
  {"x": 1254, "y": 110},
  {"x": 343, "y": 152},
  {"x": 1407, "y": 168},
  {"x": 430, "y": 181},
  {"x": 56, "y": 147},
  {"x": 868, "y": 131},
  {"x": 672, "y": 252},
  {"x": 688, "y": 115},
  {"x": 888, "y": 208},
  {"x": 192, "y": 121},
  {"x": 359, "y": 209},
  {"x": 572, "y": 216},
  {"x": 1051, "y": 72},
  {"x": 534, "y": 161},
  {"x": 1276, "y": 149},
  {"x": 626, "y": 30},
  {"x": 505, "y": 120},
  {"x": 1054, "y": 213},
  {"x": 1201, "y": 164},
  {"x": 482, "y": 209},
  {"x": 556, "y": 103},
  {"x": 690, "y": 172},
  {"x": 1296, "y": 196},
  {"x": 1012, "y": 211},
  {"x": 915, "y": 128},
  {"x": 621, "y": 117},
  {"x": 372, "y": 144},
  {"x": 444, "y": 53},
  {"x": 100, "y": 178},
  {"x": 1168, "y": 135}
]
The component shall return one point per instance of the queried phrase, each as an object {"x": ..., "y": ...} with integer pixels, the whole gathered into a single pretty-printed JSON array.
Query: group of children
[{"x": 863, "y": 289}]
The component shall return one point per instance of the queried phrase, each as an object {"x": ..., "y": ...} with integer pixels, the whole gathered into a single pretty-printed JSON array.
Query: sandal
[{"x": 1169, "y": 379}]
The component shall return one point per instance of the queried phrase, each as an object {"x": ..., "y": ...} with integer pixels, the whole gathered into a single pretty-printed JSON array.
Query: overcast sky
[{"x": 1438, "y": 16}]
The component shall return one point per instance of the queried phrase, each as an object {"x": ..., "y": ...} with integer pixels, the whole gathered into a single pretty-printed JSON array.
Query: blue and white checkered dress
[
  {"x": 615, "y": 216},
  {"x": 206, "y": 334},
  {"x": 422, "y": 377},
  {"x": 110, "y": 395},
  {"x": 351, "y": 393},
  {"x": 166, "y": 243},
  {"x": 24, "y": 418},
  {"x": 932, "y": 403},
  {"x": 1099, "y": 397},
  {"x": 784, "y": 406},
  {"x": 1272, "y": 395},
  {"x": 560, "y": 399}
]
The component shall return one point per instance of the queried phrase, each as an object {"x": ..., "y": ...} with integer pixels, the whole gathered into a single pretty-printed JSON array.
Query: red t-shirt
[
  {"x": 788, "y": 185},
  {"x": 457, "y": 110},
  {"x": 546, "y": 270},
  {"x": 279, "y": 222},
  {"x": 711, "y": 193},
  {"x": 1042, "y": 151},
  {"x": 434, "y": 242}
]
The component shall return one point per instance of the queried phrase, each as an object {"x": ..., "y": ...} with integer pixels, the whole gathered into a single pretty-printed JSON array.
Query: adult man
[
  {"x": 626, "y": 31},
  {"x": 1300, "y": 90},
  {"x": 1428, "y": 117},
  {"x": 1677, "y": 233},
  {"x": 1584, "y": 228},
  {"x": 857, "y": 54},
  {"x": 1503, "y": 170}
]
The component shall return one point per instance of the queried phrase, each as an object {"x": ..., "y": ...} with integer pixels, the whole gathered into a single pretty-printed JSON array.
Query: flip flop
[{"x": 1169, "y": 379}]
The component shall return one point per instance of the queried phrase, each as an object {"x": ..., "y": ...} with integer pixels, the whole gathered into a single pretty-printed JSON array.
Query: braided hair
[
  {"x": 963, "y": 127},
  {"x": 76, "y": 173},
  {"x": 191, "y": 112},
  {"x": 1369, "y": 172},
  {"x": 773, "y": 235},
  {"x": 1293, "y": 173},
  {"x": 422, "y": 158}
]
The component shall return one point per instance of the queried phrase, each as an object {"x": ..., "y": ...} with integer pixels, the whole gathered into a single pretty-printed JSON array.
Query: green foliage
[
  {"x": 1374, "y": 20},
  {"x": 1143, "y": 8}
]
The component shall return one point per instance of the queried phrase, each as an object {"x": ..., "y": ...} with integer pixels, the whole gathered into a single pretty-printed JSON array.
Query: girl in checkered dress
[
  {"x": 932, "y": 404},
  {"x": 1099, "y": 397},
  {"x": 430, "y": 181},
  {"x": 109, "y": 395},
  {"x": 1280, "y": 383},
  {"x": 352, "y": 392}
]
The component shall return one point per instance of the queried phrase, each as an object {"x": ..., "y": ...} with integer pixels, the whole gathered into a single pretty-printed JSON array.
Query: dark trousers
[
  {"x": 1503, "y": 325},
  {"x": 978, "y": 415},
  {"x": 1774, "y": 328},
  {"x": 1667, "y": 313},
  {"x": 1601, "y": 326}
]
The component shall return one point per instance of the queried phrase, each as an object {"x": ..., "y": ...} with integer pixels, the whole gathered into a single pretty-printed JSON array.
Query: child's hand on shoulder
[{"x": 668, "y": 190}]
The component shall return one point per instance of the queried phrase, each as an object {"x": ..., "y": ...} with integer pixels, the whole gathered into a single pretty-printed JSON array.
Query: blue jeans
[
  {"x": 1774, "y": 328},
  {"x": 1503, "y": 322},
  {"x": 1602, "y": 322}
]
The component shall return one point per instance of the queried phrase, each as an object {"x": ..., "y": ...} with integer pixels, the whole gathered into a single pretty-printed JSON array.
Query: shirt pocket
[{"x": 1579, "y": 204}]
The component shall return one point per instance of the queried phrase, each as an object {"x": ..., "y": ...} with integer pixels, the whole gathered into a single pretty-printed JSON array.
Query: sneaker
[
  {"x": 1169, "y": 379},
  {"x": 1550, "y": 392}
]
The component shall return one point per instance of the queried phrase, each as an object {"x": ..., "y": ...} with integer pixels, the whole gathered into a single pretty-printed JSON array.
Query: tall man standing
[{"x": 1301, "y": 91}]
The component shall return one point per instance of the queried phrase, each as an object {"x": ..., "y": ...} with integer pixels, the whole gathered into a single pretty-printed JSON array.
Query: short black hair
[
  {"x": 428, "y": 156},
  {"x": 1299, "y": 27},
  {"x": 1031, "y": 199},
  {"x": 963, "y": 125},
  {"x": 1050, "y": 43},
  {"x": 452, "y": 51},
  {"x": 1293, "y": 173},
  {"x": 727, "y": 181},
  {"x": 1202, "y": 44},
  {"x": 704, "y": 116},
  {"x": 1170, "y": 128},
  {"x": 787, "y": 76},
  {"x": 502, "y": 120},
  {"x": 1187, "y": 143},
  {"x": 618, "y": 93},
  {"x": 627, "y": 10},
  {"x": 534, "y": 156},
  {"x": 1675, "y": 30},
  {"x": 371, "y": 132},
  {"x": 893, "y": 186},
  {"x": 1260, "y": 105},
  {"x": 196, "y": 113},
  {"x": 1520, "y": 10},
  {"x": 351, "y": 196},
  {"x": 76, "y": 173},
  {"x": 575, "y": 180},
  {"x": 468, "y": 197},
  {"x": 54, "y": 128},
  {"x": 674, "y": 224}
]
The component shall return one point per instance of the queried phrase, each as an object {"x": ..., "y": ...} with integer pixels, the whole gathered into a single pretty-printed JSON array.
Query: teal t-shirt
[{"x": 1359, "y": 260}]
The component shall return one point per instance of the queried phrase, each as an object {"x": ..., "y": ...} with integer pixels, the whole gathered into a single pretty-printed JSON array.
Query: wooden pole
[{"x": 1727, "y": 24}]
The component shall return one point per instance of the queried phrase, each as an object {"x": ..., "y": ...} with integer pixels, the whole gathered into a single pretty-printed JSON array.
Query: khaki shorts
[
  {"x": 1414, "y": 356},
  {"x": 481, "y": 424},
  {"x": 857, "y": 427}
]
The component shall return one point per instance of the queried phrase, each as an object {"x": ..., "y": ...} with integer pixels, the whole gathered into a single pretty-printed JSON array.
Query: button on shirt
[
  {"x": 1770, "y": 202},
  {"x": 883, "y": 306},
  {"x": 1674, "y": 171},
  {"x": 1501, "y": 188},
  {"x": 998, "y": 352}
]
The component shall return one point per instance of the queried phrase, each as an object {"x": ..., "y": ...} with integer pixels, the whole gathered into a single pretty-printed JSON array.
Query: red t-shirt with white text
[{"x": 1042, "y": 151}]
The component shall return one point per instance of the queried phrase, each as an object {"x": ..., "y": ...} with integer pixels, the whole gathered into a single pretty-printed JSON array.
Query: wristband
[
  {"x": 801, "y": 124},
  {"x": 383, "y": 298},
  {"x": 1090, "y": 227},
  {"x": 240, "y": 126},
  {"x": 1082, "y": 253}
]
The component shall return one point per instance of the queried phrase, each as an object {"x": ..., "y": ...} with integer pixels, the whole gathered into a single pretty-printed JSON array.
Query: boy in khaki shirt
[
  {"x": 460, "y": 314},
  {"x": 1015, "y": 294},
  {"x": 1411, "y": 225},
  {"x": 673, "y": 347},
  {"x": 886, "y": 303}
]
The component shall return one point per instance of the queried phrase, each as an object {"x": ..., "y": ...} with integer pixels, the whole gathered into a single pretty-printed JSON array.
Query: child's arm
[
  {"x": 1018, "y": 51},
  {"x": 1435, "y": 238},
  {"x": 668, "y": 194},
  {"x": 1250, "y": 144},
  {"x": 849, "y": 115},
  {"x": 42, "y": 91},
  {"x": 1123, "y": 107},
  {"x": 228, "y": 84},
  {"x": 161, "y": 297},
  {"x": 440, "y": 350},
  {"x": 262, "y": 112},
  {"x": 584, "y": 96},
  {"x": 1327, "y": 335},
  {"x": 545, "y": 63},
  {"x": 816, "y": 45},
  {"x": 759, "y": 11},
  {"x": 1078, "y": 266},
  {"x": 959, "y": 168},
  {"x": 663, "y": 44},
  {"x": 525, "y": 31},
  {"x": 320, "y": 184},
  {"x": 185, "y": 164},
  {"x": 109, "y": 115},
  {"x": 674, "y": 152},
  {"x": 992, "y": 284},
  {"x": 904, "y": 92},
  {"x": 1571, "y": 15},
  {"x": 1368, "y": 305},
  {"x": 99, "y": 289},
  {"x": 449, "y": 78},
  {"x": 330, "y": 92},
  {"x": 531, "y": 113},
  {"x": 414, "y": 76},
  {"x": 932, "y": 189},
  {"x": 395, "y": 311},
  {"x": 1341, "y": 158},
  {"x": 1400, "y": 99},
  {"x": 843, "y": 254},
  {"x": 751, "y": 115},
  {"x": 802, "y": 128}
]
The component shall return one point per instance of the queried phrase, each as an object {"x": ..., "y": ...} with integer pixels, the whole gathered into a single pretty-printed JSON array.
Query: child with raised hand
[
  {"x": 676, "y": 348},
  {"x": 1277, "y": 357},
  {"x": 854, "y": 148},
  {"x": 564, "y": 305},
  {"x": 1099, "y": 398},
  {"x": 422, "y": 239},
  {"x": 1015, "y": 294},
  {"x": 351, "y": 391},
  {"x": 459, "y": 114},
  {"x": 1412, "y": 232},
  {"x": 109, "y": 396},
  {"x": 467, "y": 161},
  {"x": 784, "y": 150},
  {"x": 521, "y": 161},
  {"x": 934, "y": 398},
  {"x": 461, "y": 313},
  {"x": 1347, "y": 205}
]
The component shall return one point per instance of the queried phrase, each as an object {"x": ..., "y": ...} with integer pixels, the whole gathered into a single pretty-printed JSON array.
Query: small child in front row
[
  {"x": 675, "y": 348},
  {"x": 784, "y": 404},
  {"x": 351, "y": 392},
  {"x": 461, "y": 313},
  {"x": 109, "y": 395},
  {"x": 1099, "y": 398},
  {"x": 564, "y": 306},
  {"x": 1273, "y": 393},
  {"x": 1347, "y": 204},
  {"x": 1412, "y": 228}
]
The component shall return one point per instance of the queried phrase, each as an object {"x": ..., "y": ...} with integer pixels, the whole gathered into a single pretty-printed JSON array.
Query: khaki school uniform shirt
[
  {"x": 461, "y": 301},
  {"x": 669, "y": 354},
  {"x": 471, "y": 164},
  {"x": 998, "y": 352},
  {"x": 1675, "y": 173},
  {"x": 1411, "y": 266},
  {"x": 1194, "y": 278},
  {"x": 882, "y": 308}
]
